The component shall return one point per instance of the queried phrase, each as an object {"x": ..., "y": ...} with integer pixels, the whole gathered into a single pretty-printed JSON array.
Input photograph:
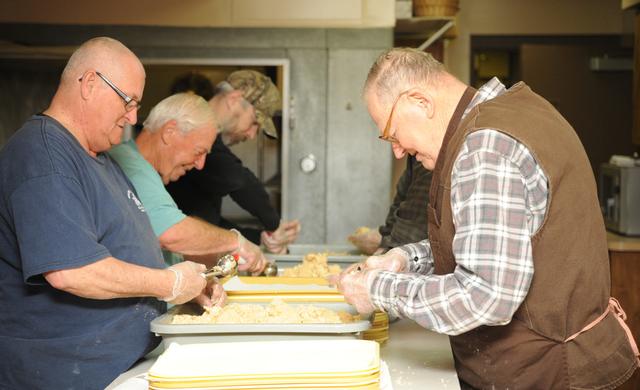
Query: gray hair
[
  {"x": 101, "y": 53},
  {"x": 223, "y": 88},
  {"x": 190, "y": 111},
  {"x": 399, "y": 69}
]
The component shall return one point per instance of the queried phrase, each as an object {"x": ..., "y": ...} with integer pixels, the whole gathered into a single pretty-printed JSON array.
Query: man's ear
[
  {"x": 233, "y": 98},
  {"x": 88, "y": 84},
  {"x": 423, "y": 99},
  {"x": 168, "y": 131}
]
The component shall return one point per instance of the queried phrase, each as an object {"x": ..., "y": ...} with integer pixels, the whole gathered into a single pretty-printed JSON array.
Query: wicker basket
[{"x": 435, "y": 7}]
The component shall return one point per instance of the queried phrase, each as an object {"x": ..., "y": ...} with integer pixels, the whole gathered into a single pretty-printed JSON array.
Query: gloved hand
[
  {"x": 188, "y": 283},
  {"x": 213, "y": 295},
  {"x": 251, "y": 257},
  {"x": 354, "y": 284},
  {"x": 366, "y": 240},
  {"x": 277, "y": 240},
  {"x": 395, "y": 260}
]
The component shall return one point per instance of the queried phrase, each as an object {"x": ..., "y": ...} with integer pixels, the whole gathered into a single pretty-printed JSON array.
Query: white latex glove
[
  {"x": 366, "y": 240},
  {"x": 395, "y": 260},
  {"x": 213, "y": 295},
  {"x": 354, "y": 283},
  {"x": 188, "y": 283},
  {"x": 251, "y": 257}
]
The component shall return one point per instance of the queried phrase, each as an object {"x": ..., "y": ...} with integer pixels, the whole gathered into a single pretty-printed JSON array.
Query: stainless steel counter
[{"x": 417, "y": 359}]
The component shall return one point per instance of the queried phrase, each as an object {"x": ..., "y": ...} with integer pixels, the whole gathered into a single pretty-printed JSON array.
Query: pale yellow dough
[
  {"x": 314, "y": 265},
  {"x": 362, "y": 230},
  {"x": 276, "y": 312}
]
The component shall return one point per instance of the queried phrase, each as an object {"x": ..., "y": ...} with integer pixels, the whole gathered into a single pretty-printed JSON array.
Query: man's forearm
[
  {"x": 192, "y": 236},
  {"x": 112, "y": 278}
]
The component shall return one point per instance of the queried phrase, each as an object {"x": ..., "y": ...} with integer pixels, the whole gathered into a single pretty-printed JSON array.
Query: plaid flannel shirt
[{"x": 499, "y": 200}]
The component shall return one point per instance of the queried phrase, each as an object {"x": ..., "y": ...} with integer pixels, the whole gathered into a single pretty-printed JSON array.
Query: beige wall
[
  {"x": 526, "y": 17},
  {"x": 204, "y": 13}
]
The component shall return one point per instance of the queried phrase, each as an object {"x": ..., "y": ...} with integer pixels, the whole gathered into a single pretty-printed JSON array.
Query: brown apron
[{"x": 546, "y": 345}]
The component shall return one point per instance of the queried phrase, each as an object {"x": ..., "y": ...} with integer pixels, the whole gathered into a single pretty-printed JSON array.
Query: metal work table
[{"x": 417, "y": 359}]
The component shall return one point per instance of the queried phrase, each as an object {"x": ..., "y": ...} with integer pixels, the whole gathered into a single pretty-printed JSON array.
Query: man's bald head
[
  {"x": 101, "y": 53},
  {"x": 100, "y": 80}
]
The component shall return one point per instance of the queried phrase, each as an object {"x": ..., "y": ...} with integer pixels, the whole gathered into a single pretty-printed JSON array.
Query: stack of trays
[
  {"x": 333, "y": 364},
  {"x": 379, "y": 330}
]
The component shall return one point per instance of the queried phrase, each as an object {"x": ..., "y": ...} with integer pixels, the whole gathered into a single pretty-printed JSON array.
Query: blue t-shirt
[
  {"x": 160, "y": 207},
  {"x": 61, "y": 208}
]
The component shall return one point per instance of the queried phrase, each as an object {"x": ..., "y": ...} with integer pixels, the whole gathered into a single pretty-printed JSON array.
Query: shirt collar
[{"x": 488, "y": 91}]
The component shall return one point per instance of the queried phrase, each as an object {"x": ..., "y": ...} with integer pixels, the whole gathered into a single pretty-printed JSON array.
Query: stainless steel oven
[{"x": 619, "y": 194}]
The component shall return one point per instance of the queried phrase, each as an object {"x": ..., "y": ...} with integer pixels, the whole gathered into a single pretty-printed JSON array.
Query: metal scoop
[
  {"x": 227, "y": 265},
  {"x": 270, "y": 270}
]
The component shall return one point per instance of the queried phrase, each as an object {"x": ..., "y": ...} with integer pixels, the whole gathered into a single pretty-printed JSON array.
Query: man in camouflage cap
[
  {"x": 259, "y": 91},
  {"x": 242, "y": 104}
]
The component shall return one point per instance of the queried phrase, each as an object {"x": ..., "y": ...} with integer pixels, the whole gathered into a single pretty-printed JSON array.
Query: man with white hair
[
  {"x": 82, "y": 272},
  {"x": 516, "y": 266},
  {"x": 176, "y": 137},
  {"x": 243, "y": 104}
]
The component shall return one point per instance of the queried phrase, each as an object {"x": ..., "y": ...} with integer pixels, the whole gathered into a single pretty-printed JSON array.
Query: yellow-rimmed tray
[
  {"x": 280, "y": 286},
  {"x": 328, "y": 379},
  {"x": 286, "y": 377},
  {"x": 368, "y": 386},
  {"x": 303, "y": 360},
  {"x": 234, "y": 297},
  {"x": 284, "y": 280}
]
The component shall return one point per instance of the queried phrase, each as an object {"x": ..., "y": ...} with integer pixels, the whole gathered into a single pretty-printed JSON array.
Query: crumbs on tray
[{"x": 276, "y": 312}]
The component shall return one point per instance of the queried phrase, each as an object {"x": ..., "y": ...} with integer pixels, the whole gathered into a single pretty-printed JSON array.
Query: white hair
[
  {"x": 190, "y": 111},
  {"x": 399, "y": 69}
]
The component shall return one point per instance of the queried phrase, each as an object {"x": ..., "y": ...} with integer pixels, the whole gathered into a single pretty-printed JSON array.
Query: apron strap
[{"x": 621, "y": 316}]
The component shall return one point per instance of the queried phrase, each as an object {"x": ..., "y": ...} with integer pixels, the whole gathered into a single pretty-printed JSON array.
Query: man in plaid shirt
[
  {"x": 406, "y": 220},
  {"x": 516, "y": 266}
]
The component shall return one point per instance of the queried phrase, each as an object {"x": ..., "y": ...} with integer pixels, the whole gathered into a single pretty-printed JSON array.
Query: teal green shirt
[{"x": 160, "y": 207}]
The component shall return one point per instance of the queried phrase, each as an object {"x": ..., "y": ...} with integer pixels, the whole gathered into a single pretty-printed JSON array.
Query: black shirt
[{"x": 199, "y": 193}]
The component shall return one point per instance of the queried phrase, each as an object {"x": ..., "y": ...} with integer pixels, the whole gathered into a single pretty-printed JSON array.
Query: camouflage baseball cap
[{"x": 260, "y": 91}]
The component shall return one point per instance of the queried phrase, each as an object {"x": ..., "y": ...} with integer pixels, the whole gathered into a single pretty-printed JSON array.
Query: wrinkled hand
[
  {"x": 285, "y": 234},
  {"x": 251, "y": 257},
  {"x": 213, "y": 295},
  {"x": 395, "y": 260},
  {"x": 366, "y": 240},
  {"x": 354, "y": 283},
  {"x": 188, "y": 282}
]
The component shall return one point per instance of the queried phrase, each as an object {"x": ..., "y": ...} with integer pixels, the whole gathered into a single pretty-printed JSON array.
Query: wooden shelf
[{"x": 422, "y": 32}]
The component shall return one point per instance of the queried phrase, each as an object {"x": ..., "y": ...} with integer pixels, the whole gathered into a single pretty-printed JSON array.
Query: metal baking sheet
[
  {"x": 198, "y": 333},
  {"x": 290, "y": 260}
]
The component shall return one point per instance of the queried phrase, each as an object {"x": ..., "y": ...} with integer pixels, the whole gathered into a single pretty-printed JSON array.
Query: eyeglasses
[
  {"x": 130, "y": 103},
  {"x": 387, "y": 128}
]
